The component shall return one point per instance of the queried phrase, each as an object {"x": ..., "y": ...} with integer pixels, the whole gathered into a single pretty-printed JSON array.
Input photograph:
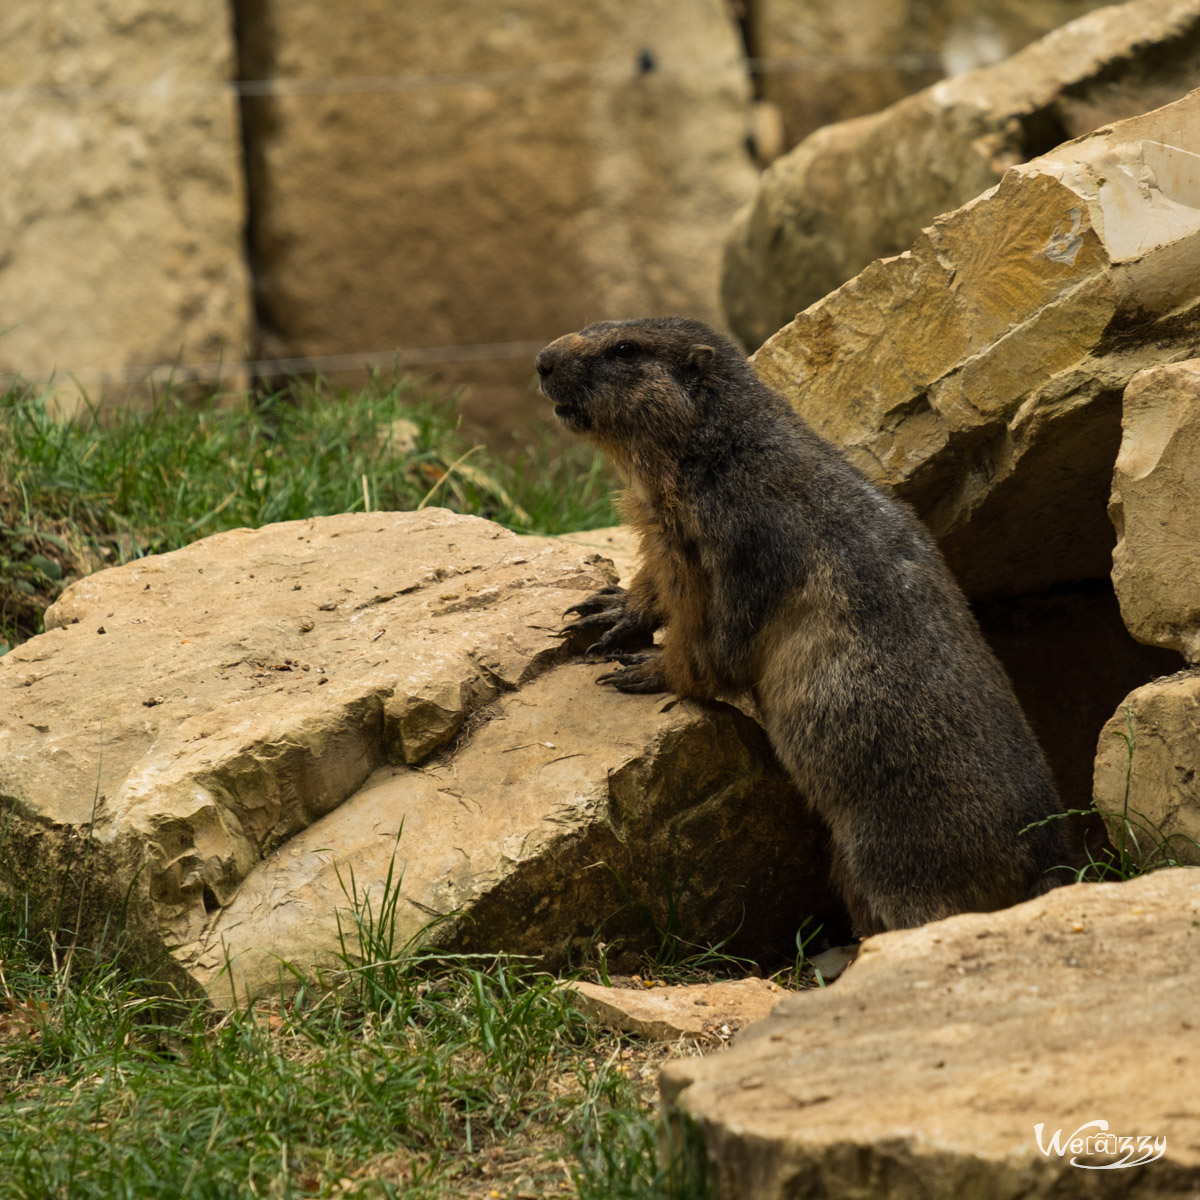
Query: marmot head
[{"x": 637, "y": 388}]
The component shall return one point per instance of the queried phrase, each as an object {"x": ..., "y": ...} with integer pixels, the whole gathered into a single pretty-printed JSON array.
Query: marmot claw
[
  {"x": 594, "y": 621},
  {"x": 647, "y": 678},
  {"x": 606, "y": 600}
]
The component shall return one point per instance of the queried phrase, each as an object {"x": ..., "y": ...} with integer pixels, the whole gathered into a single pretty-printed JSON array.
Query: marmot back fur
[{"x": 775, "y": 568}]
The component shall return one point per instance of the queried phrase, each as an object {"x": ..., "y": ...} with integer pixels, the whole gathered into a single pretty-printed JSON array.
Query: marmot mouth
[
  {"x": 569, "y": 406},
  {"x": 572, "y": 417}
]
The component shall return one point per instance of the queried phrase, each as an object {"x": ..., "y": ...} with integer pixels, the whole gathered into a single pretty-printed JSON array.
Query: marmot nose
[{"x": 544, "y": 363}]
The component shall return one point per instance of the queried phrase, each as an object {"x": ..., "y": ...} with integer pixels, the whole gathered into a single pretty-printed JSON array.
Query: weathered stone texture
[
  {"x": 925, "y": 1070},
  {"x": 828, "y": 60},
  {"x": 228, "y": 734},
  {"x": 1148, "y": 771},
  {"x": 707, "y": 1012},
  {"x": 979, "y": 375},
  {"x": 619, "y": 544},
  {"x": 122, "y": 208},
  {"x": 1155, "y": 508},
  {"x": 516, "y": 171},
  {"x": 861, "y": 190}
]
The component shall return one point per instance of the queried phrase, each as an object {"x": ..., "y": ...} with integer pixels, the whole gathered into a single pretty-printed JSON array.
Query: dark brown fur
[{"x": 774, "y": 567}]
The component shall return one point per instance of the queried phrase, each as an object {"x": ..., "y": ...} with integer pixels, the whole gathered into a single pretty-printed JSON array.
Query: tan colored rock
[
  {"x": 979, "y": 374},
  {"x": 512, "y": 172},
  {"x": 1155, "y": 508},
  {"x": 534, "y": 834},
  {"x": 1148, "y": 772},
  {"x": 709, "y": 1012},
  {"x": 246, "y": 725},
  {"x": 829, "y": 964},
  {"x": 619, "y": 544},
  {"x": 929, "y": 1069},
  {"x": 863, "y": 189},
  {"x": 122, "y": 209},
  {"x": 827, "y": 60}
]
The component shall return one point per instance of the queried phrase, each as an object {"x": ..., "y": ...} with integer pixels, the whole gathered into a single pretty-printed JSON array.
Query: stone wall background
[
  {"x": 122, "y": 202},
  {"x": 211, "y": 182}
]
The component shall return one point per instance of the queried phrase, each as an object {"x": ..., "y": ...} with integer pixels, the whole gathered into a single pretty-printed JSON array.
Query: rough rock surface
[
  {"x": 618, "y": 543},
  {"x": 119, "y": 118},
  {"x": 980, "y": 374},
  {"x": 246, "y": 725},
  {"x": 1147, "y": 784},
  {"x": 505, "y": 173},
  {"x": 827, "y": 60},
  {"x": 1155, "y": 508},
  {"x": 863, "y": 189},
  {"x": 925, "y": 1070},
  {"x": 710, "y": 1012}
]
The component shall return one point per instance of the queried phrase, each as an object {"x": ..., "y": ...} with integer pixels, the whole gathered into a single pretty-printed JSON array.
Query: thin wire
[
  {"x": 329, "y": 364},
  {"x": 163, "y": 89}
]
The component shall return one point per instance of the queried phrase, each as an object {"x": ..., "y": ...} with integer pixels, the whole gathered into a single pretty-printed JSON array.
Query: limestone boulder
[
  {"x": 979, "y": 374},
  {"x": 231, "y": 744},
  {"x": 863, "y": 189},
  {"x": 1155, "y": 508},
  {"x": 122, "y": 201},
  {"x": 1147, "y": 780},
  {"x": 468, "y": 175},
  {"x": 827, "y": 60},
  {"x": 961, "y": 1059}
]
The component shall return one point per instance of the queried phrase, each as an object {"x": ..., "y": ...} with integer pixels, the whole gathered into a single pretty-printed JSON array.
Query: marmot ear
[{"x": 698, "y": 357}]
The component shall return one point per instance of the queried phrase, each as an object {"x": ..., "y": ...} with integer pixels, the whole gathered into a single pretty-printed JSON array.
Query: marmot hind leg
[{"x": 875, "y": 907}]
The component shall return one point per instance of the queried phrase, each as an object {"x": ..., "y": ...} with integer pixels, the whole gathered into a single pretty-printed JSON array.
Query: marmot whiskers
[{"x": 775, "y": 568}]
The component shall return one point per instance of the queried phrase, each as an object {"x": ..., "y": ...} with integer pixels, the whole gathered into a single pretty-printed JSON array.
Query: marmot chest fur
[{"x": 774, "y": 567}]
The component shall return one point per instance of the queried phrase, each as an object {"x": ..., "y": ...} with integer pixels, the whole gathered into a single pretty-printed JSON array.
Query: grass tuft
[
  {"x": 474, "y": 1078},
  {"x": 417, "y": 1074},
  {"x": 86, "y": 492}
]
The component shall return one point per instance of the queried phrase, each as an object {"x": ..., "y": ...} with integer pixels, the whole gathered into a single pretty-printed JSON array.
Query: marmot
[{"x": 775, "y": 568}]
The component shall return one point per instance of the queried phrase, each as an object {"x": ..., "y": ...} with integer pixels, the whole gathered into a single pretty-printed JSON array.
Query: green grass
[
  {"x": 76, "y": 494},
  {"x": 414, "y": 1075}
]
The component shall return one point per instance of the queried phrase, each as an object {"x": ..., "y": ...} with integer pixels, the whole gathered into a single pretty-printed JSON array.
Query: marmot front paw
[
  {"x": 608, "y": 613},
  {"x": 642, "y": 672}
]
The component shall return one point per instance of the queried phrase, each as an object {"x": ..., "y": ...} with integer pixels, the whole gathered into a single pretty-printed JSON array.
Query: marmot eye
[{"x": 626, "y": 350}]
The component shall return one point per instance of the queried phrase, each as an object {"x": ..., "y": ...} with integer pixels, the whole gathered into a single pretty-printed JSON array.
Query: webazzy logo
[{"x": 1120, "y": 1150}]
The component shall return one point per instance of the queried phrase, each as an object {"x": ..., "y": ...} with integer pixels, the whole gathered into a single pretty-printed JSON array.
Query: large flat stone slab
[
  {"x": 930, "y": 1068},
  {"x": 500, "y": 174},
  {"x": 218, "y": 740}
]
